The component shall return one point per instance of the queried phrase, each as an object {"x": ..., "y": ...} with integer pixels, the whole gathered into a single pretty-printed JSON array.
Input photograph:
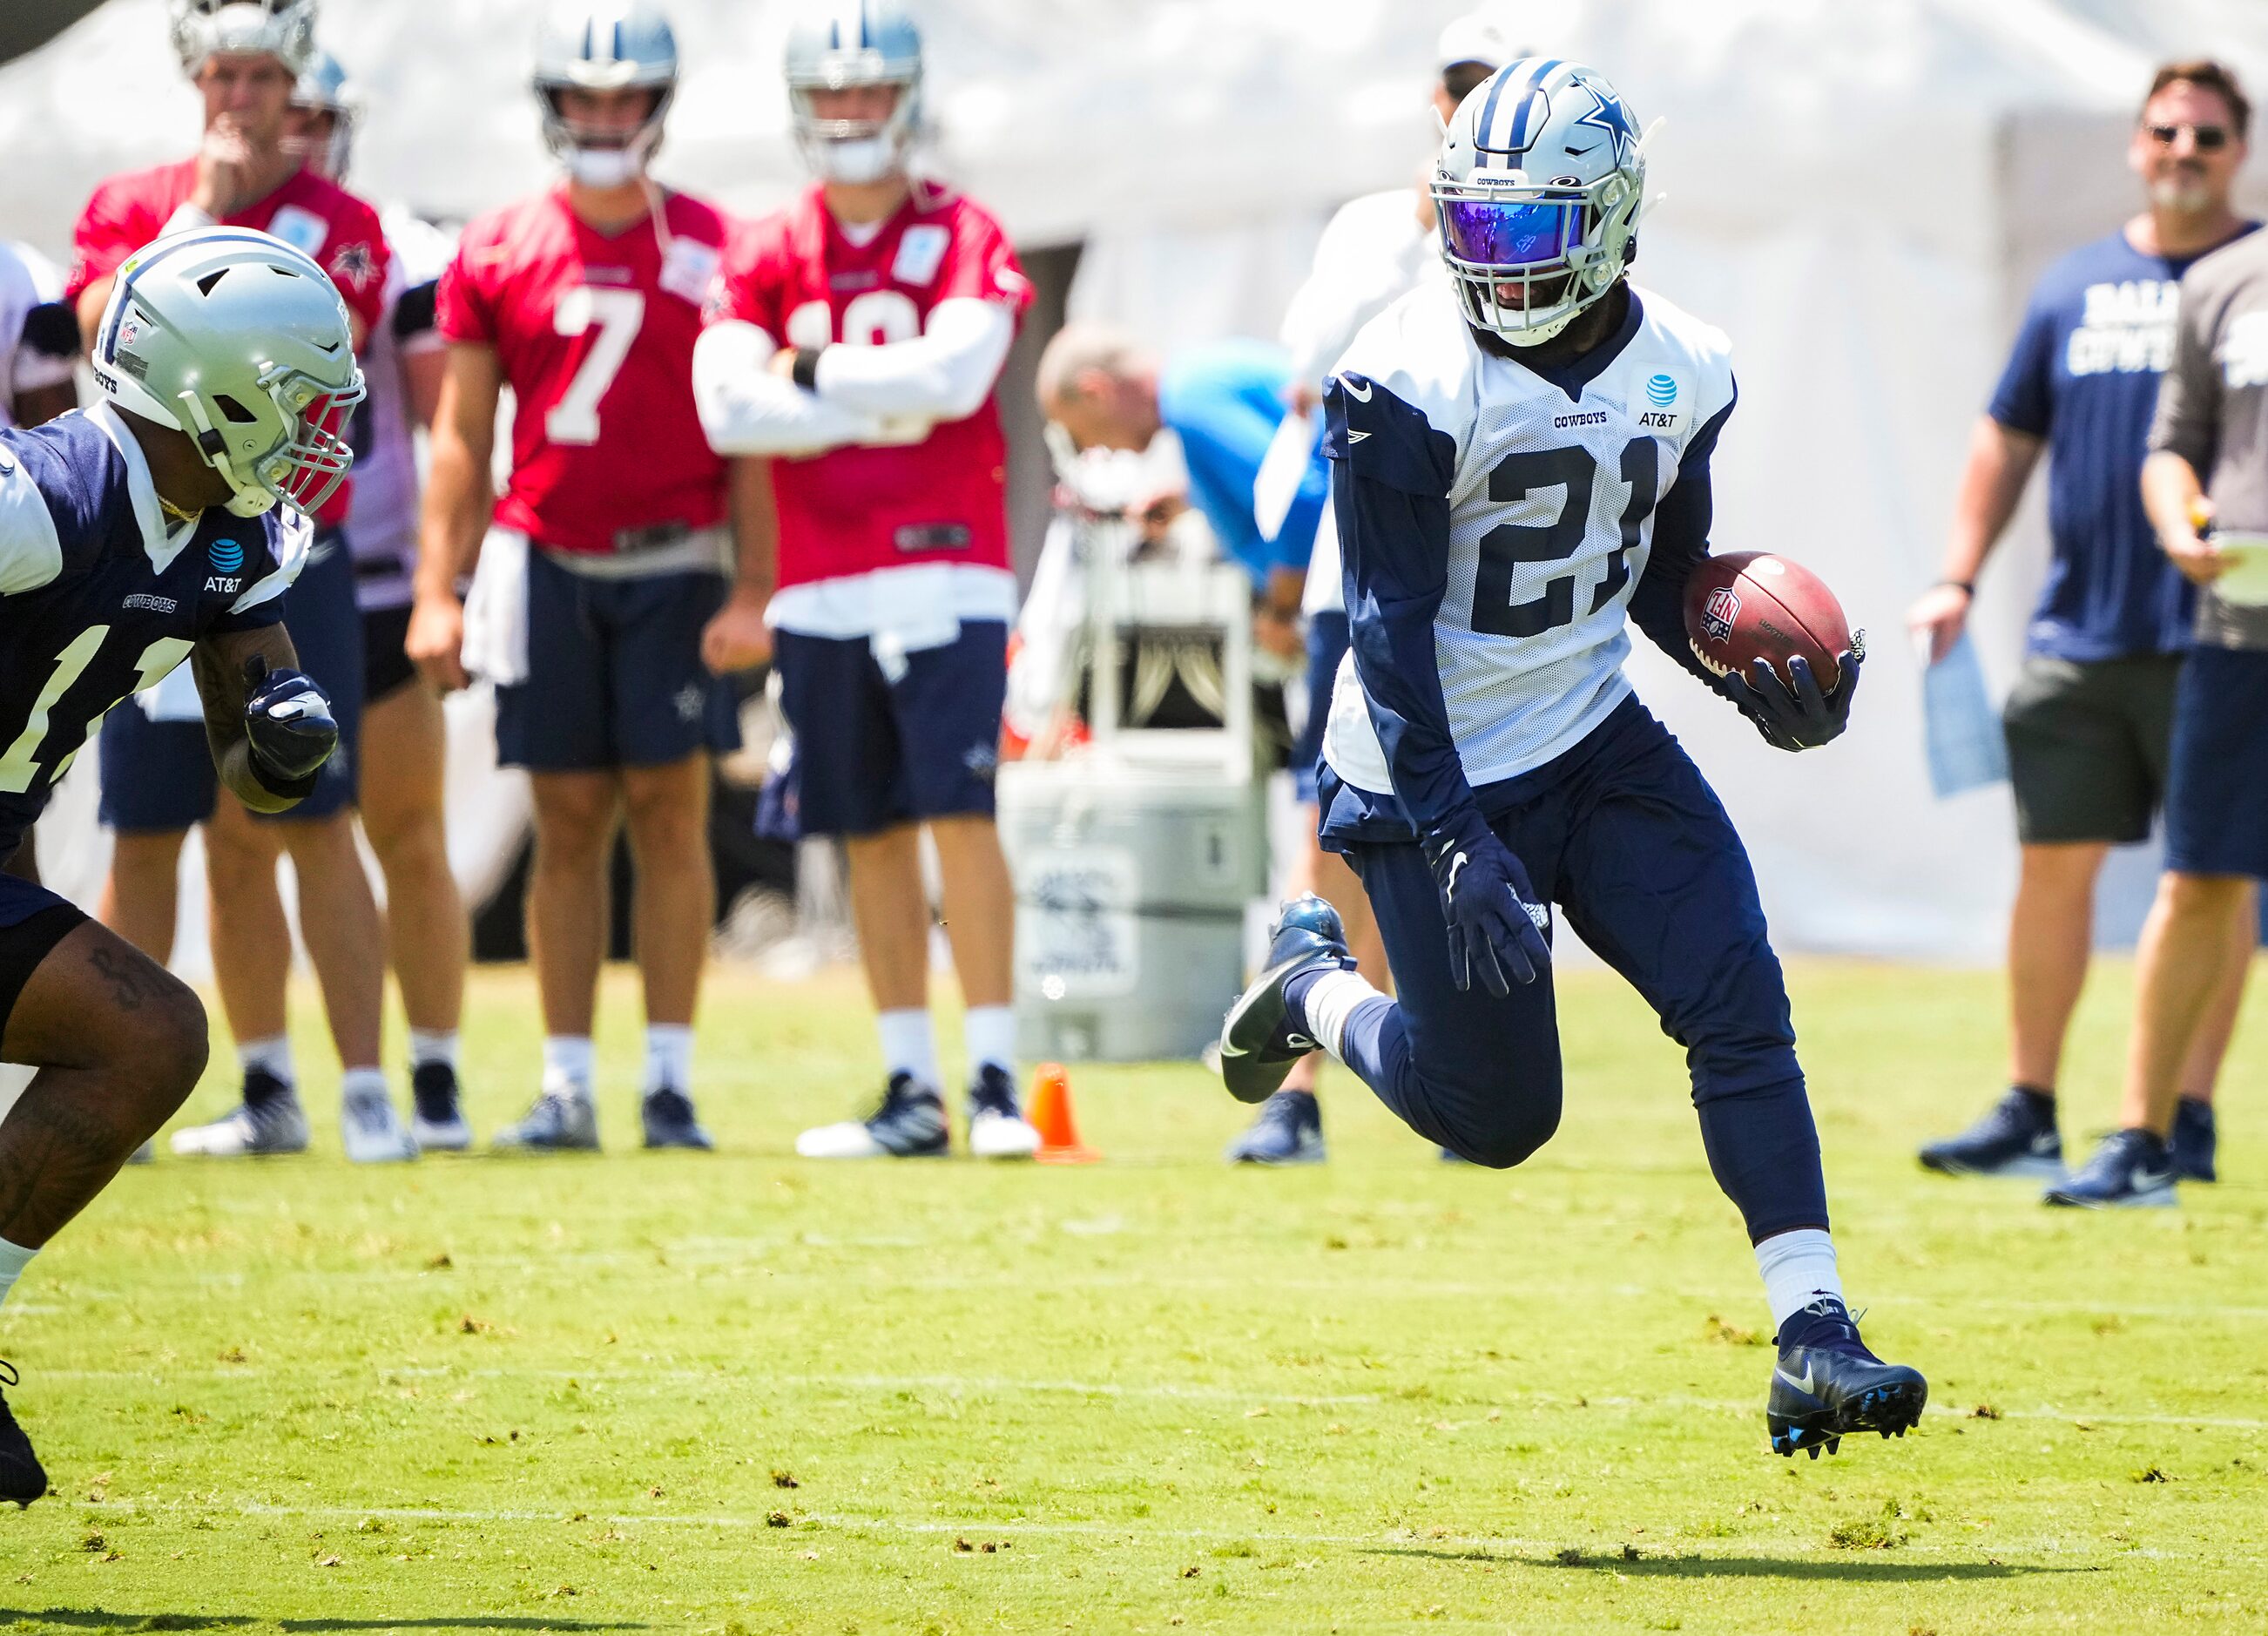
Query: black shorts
[
  {"x": 385, "y": 667},
  {"x": 2089, "y": 745},
  {"x": 33, "y": 920}
]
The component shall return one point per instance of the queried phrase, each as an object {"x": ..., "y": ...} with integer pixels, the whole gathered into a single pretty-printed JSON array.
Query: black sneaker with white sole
[
  {"x": 666, "y": 1114},
  {"x": 437, "y": 1111},
  {"x": 2131, "y": 1169},
  {"x": 1258, "y": 1045},
  {"x": 22, "y": 1477},
  {"x": 909, "y": 1123},
  {"x": 1826, "y": 1385},
  {"x": 2016, "y": 1138}
]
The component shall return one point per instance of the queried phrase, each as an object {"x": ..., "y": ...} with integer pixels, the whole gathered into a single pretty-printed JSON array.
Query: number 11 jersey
[
  {"x": 1552, "y": 479},
  {"x": 594, "y": 333}
]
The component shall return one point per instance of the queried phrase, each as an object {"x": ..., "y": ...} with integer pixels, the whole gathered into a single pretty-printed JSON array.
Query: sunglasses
[{"x": 2208, "y": 138}]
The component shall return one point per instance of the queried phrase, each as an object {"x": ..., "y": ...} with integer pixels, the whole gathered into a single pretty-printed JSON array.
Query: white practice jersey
[
  {"x": 1551, "y": 500},
  {"x": 381, "y": 526},
  {"x": 1374, "y": 251},
  {"x": 26, "y": 280}
]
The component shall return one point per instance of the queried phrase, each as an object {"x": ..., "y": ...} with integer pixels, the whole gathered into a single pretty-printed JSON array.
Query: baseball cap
[{"x": 1475, "y": 37}]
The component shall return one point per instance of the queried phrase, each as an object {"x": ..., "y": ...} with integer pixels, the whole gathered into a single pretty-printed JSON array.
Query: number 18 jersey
[
  {"x": 1552, "y": 481},
  {"x": 594, "y": 333}
]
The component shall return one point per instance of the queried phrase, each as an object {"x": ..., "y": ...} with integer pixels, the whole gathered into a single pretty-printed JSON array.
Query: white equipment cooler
[{"x": 1134, "y": 859}]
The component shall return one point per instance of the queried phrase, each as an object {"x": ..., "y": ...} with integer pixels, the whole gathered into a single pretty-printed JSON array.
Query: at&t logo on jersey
[
  {"x": 227, "y": 559},
  {"x": 1719, "y": 614}
]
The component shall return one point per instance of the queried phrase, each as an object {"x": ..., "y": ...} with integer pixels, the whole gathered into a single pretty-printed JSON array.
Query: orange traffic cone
[{"x": 1051, "y": 1116}]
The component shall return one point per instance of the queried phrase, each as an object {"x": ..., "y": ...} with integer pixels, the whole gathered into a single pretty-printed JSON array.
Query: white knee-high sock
[
  {"x": 13, "y": 1259},
  {"x": 1798, "y": 1268},
  {"x": 1331, "y": 1000}
]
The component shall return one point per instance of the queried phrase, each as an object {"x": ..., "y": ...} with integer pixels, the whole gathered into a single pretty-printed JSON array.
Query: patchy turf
[{"x": 751, "y": 1394}]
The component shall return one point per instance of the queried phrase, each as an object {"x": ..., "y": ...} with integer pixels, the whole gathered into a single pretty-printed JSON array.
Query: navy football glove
[
  {"x": 287, "y": 721},
  {"x": 1798, "y": 717},
  {"x": 1495, "y": 926}
]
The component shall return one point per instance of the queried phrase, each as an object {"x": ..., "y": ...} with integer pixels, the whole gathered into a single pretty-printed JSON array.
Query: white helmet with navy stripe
[
  {"x": 238, "y": 340},
  {"x": 324, "y": 88},
  {"x": 1537, "y": 193},
  {"x": 283, "y": 29},
  {"x": 833, "y": 45},
  {"x": 604, "y": 45}
]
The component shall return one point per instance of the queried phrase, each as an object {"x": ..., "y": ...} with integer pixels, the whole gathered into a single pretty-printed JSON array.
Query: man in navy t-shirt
[{"x": 2090, "y": 719}]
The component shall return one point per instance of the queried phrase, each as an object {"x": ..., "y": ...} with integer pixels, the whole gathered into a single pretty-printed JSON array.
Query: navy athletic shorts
[
  {"x": 875, "y": 749},
  {"x": 1328, "y": 637},
  {"x": 158, "y": 776},
  {"x": 2217, "y": 798},
  {"x": 33, "y": 920},
  {"x": 614, "y": 677}
]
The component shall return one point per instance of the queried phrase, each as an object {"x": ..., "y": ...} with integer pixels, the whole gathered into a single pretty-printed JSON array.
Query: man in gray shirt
[{"x": 2207, "y": 469}]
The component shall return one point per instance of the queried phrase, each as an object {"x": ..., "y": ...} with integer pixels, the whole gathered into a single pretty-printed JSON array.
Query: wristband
[
  {"x": 1967, "y": 587},
  {"x": 806, "y": 370}
]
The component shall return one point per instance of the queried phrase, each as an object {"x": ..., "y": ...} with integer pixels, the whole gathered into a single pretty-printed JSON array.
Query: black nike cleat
[
  {"x": 1257, "y": 1043},
  {"x": 1826, "y": 1384},
  {"x": 22, "y": 1479}
]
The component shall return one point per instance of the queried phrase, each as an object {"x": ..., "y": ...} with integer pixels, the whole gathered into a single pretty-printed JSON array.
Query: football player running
[
  {"x": 243, "y": 57},
  {"x": 404, "y": 732},
  {"x": 163, "y": 524},
  {"x": 859, "y": 333},
  {"x": 1522, "y": 460},
  {"x": 605, "y": 572}
]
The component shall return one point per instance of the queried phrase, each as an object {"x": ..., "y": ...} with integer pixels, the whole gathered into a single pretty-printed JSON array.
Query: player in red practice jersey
[
  {"x": 855, "y": 341},
  {"x": 603, "y": 579},
  {"x": 158, "y": 779}
]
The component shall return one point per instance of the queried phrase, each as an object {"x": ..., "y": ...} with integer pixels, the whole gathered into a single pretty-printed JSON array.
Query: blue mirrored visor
[{"x": 1493, "y": 233}]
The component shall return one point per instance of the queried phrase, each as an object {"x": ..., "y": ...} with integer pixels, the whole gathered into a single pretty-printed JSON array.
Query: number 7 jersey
[
  {"x": 1551, "y": 480},
  {"x": 594, "y": 333}
]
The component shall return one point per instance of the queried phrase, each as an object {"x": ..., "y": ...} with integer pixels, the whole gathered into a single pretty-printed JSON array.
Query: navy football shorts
[
  {"x": 33, "y": 920},
  {"x": 2217, "y": 800},
  {"x": 1328, "y": 637},
  {"x": 614, "y": 677},
  {"x": 157, "y": 775},
  {"x": 875, "y": 750}
]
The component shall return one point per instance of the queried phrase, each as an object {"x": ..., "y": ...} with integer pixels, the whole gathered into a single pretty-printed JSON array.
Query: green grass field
[{"x": 752, "y": 1393}]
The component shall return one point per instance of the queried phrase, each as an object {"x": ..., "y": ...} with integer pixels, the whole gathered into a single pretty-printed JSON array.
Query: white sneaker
[
  {"x": 268, "y": 1122},
  {"x": 373, "y": 1132},
  {"x": 996, "y": 1127},
  {"x": 909, "y": 1123}
]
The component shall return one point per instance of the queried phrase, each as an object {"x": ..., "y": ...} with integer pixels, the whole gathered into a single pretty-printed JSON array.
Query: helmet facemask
[
  {"x": 602, "y": 158},
  {"x": 308, "y": 456},
  {"x": 1528, "y": 259},
  {"x": 853, "y": 150}
]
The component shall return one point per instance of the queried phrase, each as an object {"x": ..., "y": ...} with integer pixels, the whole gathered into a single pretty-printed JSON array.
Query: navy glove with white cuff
[
  {"x": 1496, "y": 925},
  {"x": 289, "y": 727},
  {"x": 1798, "y": 717}
]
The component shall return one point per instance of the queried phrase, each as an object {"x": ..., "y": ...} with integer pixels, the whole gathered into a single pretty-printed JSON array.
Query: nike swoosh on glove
[
  {"x": 1795, "y": 714},
  {"x": 287, "y": 718},
  {"x": 1496, "y": 925}
]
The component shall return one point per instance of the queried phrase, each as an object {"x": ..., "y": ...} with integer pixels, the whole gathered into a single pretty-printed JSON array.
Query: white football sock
[
  {"x": 271, "y": 1055},
  {"x": 909, "y": 1044},
  {"x": 1331, "y": 1000},
  {"x": 1798, "y": 1268},
  {"x": 991, "y": 1034},
  {"x": 13, "y": 1259},
  {"x": 433, "y": 1046},
  {"x": 568, "y": 1062},
  {"x": 668, "y": 1057},
  {"x": 362, "y": 1082}
]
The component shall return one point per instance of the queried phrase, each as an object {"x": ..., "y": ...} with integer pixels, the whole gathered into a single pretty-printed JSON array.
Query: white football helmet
[
  {"x": 324, "y": 88},
  {"x": 834, "y": 44},
  {"x": 238, "y": 340},
  {"x": 1538, "y": 192},
  {"x": 603, "y": 45},
  {"x": 283, "y": 29}
]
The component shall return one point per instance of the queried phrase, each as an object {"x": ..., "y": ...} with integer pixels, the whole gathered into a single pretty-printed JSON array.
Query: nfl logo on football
[{"x": 1717, "y": 617}]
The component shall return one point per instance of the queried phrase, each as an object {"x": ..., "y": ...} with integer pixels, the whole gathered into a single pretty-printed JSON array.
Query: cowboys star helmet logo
[
  {"x": 354, "y": 266},
  {"x": 1609, "y": 115}
]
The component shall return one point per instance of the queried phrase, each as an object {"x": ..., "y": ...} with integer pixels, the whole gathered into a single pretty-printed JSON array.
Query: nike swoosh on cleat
[
  {"x": 1806, "y": 1385},
  {"x": 1298, "y": 1042},
  {"x": 1226, "y": 1050}
]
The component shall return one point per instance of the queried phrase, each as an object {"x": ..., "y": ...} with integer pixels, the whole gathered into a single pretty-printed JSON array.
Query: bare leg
[
  {"x": 2185, "y": 952},
  {"x": 141, "y": 895},
  {"x": 567, "y": 894},
  {"x": 667, "y": 808},
  {"x": 2201, "y": 1074},
  {"x": 2051, "y": 937},
  {"x": 429, "y": 937},
  {"x": 345, "y": 936},
  {"x": 251, "y": 939},
  {"x": 121, "y": 1043},
  {"x": 980, "y": 908},
  {"x": 890, "y": 910}
]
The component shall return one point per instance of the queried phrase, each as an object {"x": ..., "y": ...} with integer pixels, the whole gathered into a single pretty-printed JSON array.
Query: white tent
[{"x": 1859, "y": 193}]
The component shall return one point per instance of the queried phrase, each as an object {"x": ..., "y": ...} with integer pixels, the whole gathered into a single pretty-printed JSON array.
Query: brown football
[{"x": 1751, "y": 605}]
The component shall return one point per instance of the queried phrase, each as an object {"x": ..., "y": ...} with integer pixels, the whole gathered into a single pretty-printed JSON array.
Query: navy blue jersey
[
  {"x": 98, "y": 598},
  {"x": 2084, "y": 376}
]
